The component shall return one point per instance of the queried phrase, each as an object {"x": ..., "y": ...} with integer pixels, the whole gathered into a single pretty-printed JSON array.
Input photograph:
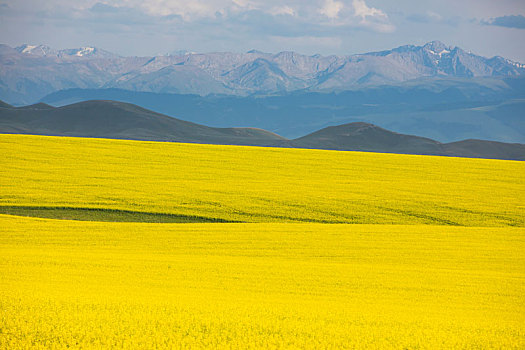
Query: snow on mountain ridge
[
  {"x": 238, "y": 73},
  {"x": 85, "y": 51},
  {"x": 28, "y": 48},
  {"x": 46, "y": 51},
  {"x": 37, "y": 50}
]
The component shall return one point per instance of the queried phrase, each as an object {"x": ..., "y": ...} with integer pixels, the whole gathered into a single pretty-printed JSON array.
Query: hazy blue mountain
[
  {"x": 171, "y": 79},
  {"x": 444, "y": 109},
  {"x": 110, "y": 119},
  {"x": 27, "y": 73}
]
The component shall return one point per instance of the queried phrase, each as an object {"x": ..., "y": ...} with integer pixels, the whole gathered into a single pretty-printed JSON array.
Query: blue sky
[{"x": 149, "y": 27}]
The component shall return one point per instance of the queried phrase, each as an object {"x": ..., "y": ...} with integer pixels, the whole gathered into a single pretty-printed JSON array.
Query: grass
[{"x": 251, "y": 184}]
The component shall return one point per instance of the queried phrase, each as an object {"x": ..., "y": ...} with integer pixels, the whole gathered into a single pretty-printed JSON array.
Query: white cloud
[
  {"x": 331, "y": 8},
  {"x": 236, "y": 6},
  {"x": 282, "y": 10},
  {"x": 371, "y": 17},
  {"x": 241, "y": 3},
  {"x": 314, "y": 11},
  {"x": 265, "y": 24},
  {"x": 363, "y": 11},
  {"x": 195, "y": 9},
  {"x": 186, "y": 9},
  {"x": 435, "y": 16}
]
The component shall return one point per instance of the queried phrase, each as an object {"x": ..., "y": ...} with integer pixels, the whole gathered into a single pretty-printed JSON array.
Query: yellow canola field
[
  {"x": 134, "y": 285},
  {"x": 254, "y": 184}
]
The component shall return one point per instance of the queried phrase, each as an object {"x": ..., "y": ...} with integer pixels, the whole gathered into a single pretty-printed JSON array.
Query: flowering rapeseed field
[
  {"x": 410, "y": 274},
  {"x": 255, "y": 184},
  {"x": 133, "y": 285}
]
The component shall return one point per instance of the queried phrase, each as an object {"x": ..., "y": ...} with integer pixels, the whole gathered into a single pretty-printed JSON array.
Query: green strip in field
[{"x": 99, "y": 214}]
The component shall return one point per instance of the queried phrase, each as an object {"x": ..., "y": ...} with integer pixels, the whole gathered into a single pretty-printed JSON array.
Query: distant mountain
[
  {"x": 110, "y": 119},
  {"x": 443, "y": 109},
  {"x": 36, "y": 50},
  {"x": 178, "y": 79},
  {"x": 46, "y": 51},
  {"x": 28, "y": 73}
]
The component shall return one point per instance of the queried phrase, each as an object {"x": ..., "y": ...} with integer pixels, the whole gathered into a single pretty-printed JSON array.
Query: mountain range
[
  {"x": 111, "y": 119},
  {"x": 28, "y": 73}
]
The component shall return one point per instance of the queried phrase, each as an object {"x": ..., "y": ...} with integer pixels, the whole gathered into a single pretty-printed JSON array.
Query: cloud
[
  {"x": 282, "y": 10},
  {"x": 197, "y": 9},
  {"x": 241, "y": 3},
  {"x": 363, "y": 11},
  {"x": 290, "y": 18},
  {"x": 228, "y": 25},
  {"x": 116, "y": 16},
  {"x": 506, "y": 21},
  {"x": 371, "y": 17},
  {"x": 188, "y": 10},
  {"x": 331, "y": 8},
  {"x": 430, "y": 17},
  {"x": 103, "y": 8},
  {"x": 350, "y": 13}
]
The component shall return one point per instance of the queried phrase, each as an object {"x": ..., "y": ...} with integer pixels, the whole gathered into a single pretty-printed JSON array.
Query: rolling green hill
[
  {"x": 369, "y": 137},
  {"x": 118, "y": 120}
]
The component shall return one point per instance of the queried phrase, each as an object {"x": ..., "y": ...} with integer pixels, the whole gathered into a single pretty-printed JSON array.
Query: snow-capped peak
[
  {"x": 435, "y": 47},
  {"x": 83, "y": 51},
  {"x": 28, "y": 48},
  {"x": 39, "y": 50},
  {"x": 515, "y": 64},
  {"x": 181, "y": 53}
]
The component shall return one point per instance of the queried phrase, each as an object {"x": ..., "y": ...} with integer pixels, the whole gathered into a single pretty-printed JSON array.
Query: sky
[{"x": 152, "y": 27}]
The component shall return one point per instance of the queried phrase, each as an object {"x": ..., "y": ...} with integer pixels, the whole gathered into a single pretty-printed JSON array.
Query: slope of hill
[
  {"x": 109, "y": 119},
  {"x": 36, "y": 106},
  {"x": 368, "y": 137},
  {"x": 30, "y": 72},
  {"x": 117, "y": 120},
  {"x": 5, "y": 105},
  {"x": 485, "y": 149}
]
